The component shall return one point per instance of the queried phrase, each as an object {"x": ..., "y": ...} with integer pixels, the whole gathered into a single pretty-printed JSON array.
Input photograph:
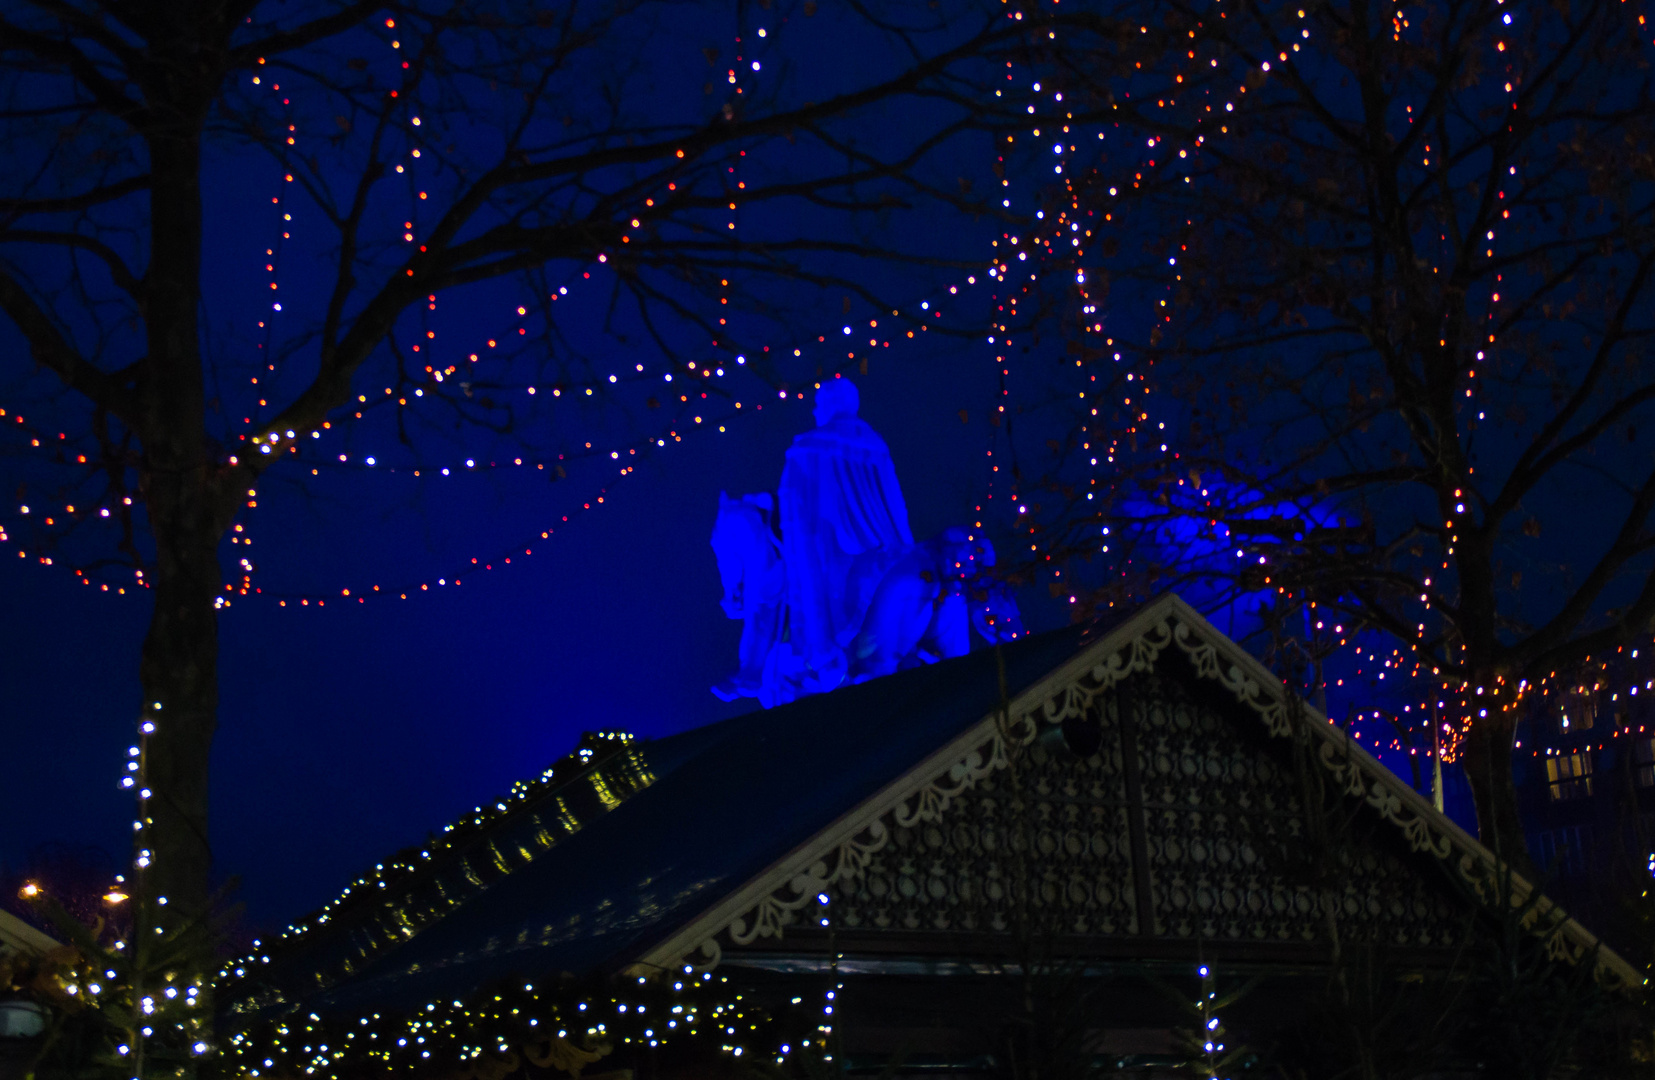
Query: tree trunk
[
  {"x": 1487, "y": 758},
  {"x": 179, "y": 673},
  {"x": 187, "y": 514}
]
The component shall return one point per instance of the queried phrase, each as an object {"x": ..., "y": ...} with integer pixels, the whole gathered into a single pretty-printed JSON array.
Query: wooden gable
[{"x": 1162, "y": 798}]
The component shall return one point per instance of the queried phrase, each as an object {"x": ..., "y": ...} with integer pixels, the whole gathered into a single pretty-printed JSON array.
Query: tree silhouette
[
  {"x": 435, "y": 148},
  {"x": 1384, "y": 274}
]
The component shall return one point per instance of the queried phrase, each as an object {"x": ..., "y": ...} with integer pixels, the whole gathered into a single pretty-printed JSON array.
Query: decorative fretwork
[
  {"x": 850, "y": 859},
  {"x": 1213, "y": 808},
  {"x": 1060, "y": 822},
  {"x": 1179, "y": 818},
  {"x": 1228, "y": 854}
]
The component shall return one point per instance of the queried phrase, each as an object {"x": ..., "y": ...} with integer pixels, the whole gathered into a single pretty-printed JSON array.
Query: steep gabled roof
[
  {"x": 690, "y": 819},
  {"x": 730, "y": 830}
]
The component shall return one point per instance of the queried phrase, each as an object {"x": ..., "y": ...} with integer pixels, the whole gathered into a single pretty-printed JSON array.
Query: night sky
[{"x": 349, "y": 731}]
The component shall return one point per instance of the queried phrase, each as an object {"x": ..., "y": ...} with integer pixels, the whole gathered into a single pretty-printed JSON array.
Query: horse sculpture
[
  {"x": 923, "y": 609},
  {"x": 750, "y": 564}
]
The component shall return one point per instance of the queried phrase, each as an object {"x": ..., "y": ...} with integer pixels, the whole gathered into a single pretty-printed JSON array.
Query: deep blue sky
[{"x": 350, "y": 731}]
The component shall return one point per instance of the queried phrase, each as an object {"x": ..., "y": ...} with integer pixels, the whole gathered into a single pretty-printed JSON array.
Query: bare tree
[
  {"x": 438, "y": 146},
  {"x": 1384, "y": 275}
]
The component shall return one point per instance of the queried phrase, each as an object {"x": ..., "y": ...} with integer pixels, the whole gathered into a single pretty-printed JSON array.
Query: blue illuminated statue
[
  {"x": 829, "y": 583},
  {"x": 844, "y": 525},
  {"x": 750, "y": 563}
]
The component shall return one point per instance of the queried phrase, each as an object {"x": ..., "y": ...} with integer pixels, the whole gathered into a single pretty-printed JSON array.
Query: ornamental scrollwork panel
[
  {"x": 851, "y": 859},
  {"x": 777, "y": 909},
  {"x": 1229, "y": 854},
  {"x": 1076, "y": 698},
  {"x": 764, "y": 920},
  {"x": 931, "y": 801},
  {"x": 1054, "y": 822},
  {"x": 1357, "y": 775},
  {"x": 1020, "y": 831},
  {"x": 1210, "y": 806},
  {"x": 1220, "y": 818}
]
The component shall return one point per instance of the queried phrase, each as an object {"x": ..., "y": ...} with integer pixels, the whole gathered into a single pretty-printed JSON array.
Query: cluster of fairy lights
[
  {"x": 311, "y": 450},
  {"x": 524, "y": 1022},
  {"x": 163, "y": 1021},
  {"x": 171, "y": 1012},
  {"x": 480, "y": 820},
  {"x": 1062, "y": 240},
  {"x": 1056, "y": 247},
  {"x": 1065, "y": 238},
  {"x": 1212, "y": 1025},
  {"x": 167, "y": 1011},
  {"x": 541, "y": 1025}
]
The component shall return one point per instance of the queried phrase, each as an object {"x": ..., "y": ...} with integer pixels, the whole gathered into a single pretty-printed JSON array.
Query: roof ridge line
[{"x": 771, "y": 899}]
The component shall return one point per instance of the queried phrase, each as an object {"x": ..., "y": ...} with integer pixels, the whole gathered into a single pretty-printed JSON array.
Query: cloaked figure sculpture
[
  {"x": 845, "y": 523},
  {"x": 830, "y": 585}
]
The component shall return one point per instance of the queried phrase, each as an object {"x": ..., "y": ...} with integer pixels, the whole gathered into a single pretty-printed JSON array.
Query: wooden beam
[{"x": 19, "y": 935}]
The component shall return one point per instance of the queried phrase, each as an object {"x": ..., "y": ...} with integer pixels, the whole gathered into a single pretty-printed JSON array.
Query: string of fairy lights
[
  {"x": 273, "y": 442},
  {"x": 1073, "y": 227},
  {"x": 998, "y": 272},
  {"x": 451, "y": 1031},
  {"x": 430, "y": 1032},
  {"x": 698, "y": 1004},
  {"x": 507, "y": 1024},
  {"x": 1399, "y": 664},
  {"x": 742, "y": 1027},
  {"x": 549, "y": 1026}
]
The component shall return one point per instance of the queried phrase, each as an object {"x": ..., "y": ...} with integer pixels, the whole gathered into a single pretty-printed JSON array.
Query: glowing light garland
[
  {"x": 289, "y": 442},
  {"x": 1046, "y": 247},
  {"x": 495, "y": 1031},
  {"x": 498, "y": 1027},
  {"x": 1069, "y": 244},
  {"x": 160, "y": 1025},
  {"x": 456, "y": 1033}
]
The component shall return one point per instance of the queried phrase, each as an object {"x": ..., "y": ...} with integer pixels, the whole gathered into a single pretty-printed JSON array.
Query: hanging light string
[
  {"x": 1401, "y": 664},
  {"x": 625, "y": 456},
  {"x": 928, "y": 316},
  {"x": 294, "y": 443},
  {"x": 641, "y": 1013},
  {"x": 435, "y": 376},
  {"x": 407, "y": 1045},
  {"x": 150, "y": 1010},
  {"x": 1134, "y": 398},
  {"x": 553, "y": 1026},
  {"x": 1398, "y": 665}
]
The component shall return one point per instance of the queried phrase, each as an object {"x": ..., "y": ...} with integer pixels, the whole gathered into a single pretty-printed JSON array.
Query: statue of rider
[{"x": 843, "y": 524}]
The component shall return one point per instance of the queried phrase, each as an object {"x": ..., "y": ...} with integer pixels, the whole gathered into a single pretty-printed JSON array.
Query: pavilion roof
[
  {"x": 648, "y": 854},
  {"x": 653, "y": 833}
]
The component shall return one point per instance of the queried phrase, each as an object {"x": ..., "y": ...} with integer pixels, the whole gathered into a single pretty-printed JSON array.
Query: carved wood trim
[{"x": 771, "y": 901}]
